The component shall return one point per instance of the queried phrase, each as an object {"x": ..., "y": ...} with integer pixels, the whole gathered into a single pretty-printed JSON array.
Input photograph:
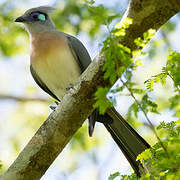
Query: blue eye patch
[
  {"x": 38, "y": 16},
  {"x": 42, "y": 17}
]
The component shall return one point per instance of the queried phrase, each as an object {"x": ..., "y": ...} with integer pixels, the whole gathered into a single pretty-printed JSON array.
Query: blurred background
[{"x": 24, "y": 106}]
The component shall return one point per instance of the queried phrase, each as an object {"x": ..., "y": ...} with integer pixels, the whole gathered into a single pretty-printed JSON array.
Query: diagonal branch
[
  {"x": 22, "y": 99},
  {"x": 75, "y": 107}
]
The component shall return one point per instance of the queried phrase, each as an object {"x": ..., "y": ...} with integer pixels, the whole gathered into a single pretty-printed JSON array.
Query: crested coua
[{"x": 57, "y": 61}]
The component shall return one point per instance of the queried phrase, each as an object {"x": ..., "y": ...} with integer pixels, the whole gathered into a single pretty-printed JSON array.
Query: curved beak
[{"x": 20, "y": 19}]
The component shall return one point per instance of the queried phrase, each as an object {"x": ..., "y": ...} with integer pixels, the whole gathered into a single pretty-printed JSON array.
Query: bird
[{"x": 57, "y": 61}]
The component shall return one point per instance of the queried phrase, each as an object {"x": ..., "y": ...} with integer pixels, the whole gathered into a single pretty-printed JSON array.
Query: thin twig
[
  {"x": 146, "y": 116},
  {"x": 22, "y": 99}
]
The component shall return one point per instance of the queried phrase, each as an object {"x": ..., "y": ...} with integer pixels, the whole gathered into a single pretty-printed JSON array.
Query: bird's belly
[{"x": 57, "y": 71}]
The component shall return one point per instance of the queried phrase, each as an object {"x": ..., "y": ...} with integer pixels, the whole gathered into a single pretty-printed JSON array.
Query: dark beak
[{"x": 20, "y": 19}]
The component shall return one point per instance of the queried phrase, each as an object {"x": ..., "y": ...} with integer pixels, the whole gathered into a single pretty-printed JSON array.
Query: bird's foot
[
  {"x": 71, "y": 86},
  {"x": 53, "y": 106}
]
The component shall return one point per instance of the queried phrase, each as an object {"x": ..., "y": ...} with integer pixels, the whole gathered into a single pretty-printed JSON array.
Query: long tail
[{"x": 127, "y": 139}]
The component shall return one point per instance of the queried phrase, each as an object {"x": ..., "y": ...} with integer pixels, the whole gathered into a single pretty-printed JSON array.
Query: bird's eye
[
  {"x": 36, "y": 16},
  {"x": 42, "y": 17}
]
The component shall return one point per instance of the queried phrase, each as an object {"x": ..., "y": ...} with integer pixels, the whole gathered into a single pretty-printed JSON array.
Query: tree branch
[
  {"x": 147, "y": 14},
  {"x": 22, "y": 99},
  {"x": 77, "y": 105}
]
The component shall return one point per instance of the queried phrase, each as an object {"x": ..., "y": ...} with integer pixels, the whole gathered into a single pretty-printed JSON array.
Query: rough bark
[{"x": 75, "y": 107}]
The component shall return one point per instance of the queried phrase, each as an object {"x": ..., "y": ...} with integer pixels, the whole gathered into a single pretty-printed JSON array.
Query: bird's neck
[
  {"x": 43, "y": 44},
  {"x": 41, "y": 28}
]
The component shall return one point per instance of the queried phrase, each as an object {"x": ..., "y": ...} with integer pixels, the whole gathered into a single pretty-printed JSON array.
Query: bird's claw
[
  {"x": 71, "y": 86},
  {"x": 53, "y": 106}
]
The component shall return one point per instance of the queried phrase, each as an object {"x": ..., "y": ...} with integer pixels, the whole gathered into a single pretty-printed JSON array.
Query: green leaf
[
  {"x": 111, "y": 18},
  {"x": 113, "y": 176},
  {"x": 147, "y": 154},
  {"x": 90, "y": 2},
  {"x": 102, "y": 103},
  {"x": 156, "y": 79},
  {"x": 173, "y": 67},
  {"x": 141, "y": 42},
  {"x": 148, "y": 105}
]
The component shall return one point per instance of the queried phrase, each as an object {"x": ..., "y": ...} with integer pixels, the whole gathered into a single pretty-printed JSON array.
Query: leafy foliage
[
  {"x": 155, "y": 161},
  {"x": 123, "y": 177},
  {"x": 148, "y": 105},
  {"x": 159, "y": 161},
  {"x": 10, "y": 43},
  {"x": 141, "y": 42},
  {"x": 155, "y": 79},
  {"x": 76, "y": 17},
  {"x": 172, "y": 67},
  {"x": 161, "y": 165},
  {"x": 113, "y": 176},
  {"x": 118, "y": 61},
  {"x": 172, "y": 70},
  {"x": 102, "y": 102}
]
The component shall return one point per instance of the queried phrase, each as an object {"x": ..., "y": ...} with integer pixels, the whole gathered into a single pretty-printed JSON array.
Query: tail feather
[
  {"x": 123, "y": 148},
  {"x": 127, "y": 139}
]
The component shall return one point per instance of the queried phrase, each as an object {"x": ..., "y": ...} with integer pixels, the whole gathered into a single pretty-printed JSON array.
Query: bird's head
[{"x": 37, "y": 19}]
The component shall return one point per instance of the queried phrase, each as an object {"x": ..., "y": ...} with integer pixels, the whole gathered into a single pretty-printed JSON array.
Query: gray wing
[
  {"x": 81, "y": 53},
  {"x": 83, "y": 59},
  {"x": 41, "y": 84}
]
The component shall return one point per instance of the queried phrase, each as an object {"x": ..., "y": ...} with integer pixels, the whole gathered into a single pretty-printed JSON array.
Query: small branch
[
  {"x": 22, "y": 99},
  {"x": 146, "y": 116},
  {"x": 147, "y": 125}
]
